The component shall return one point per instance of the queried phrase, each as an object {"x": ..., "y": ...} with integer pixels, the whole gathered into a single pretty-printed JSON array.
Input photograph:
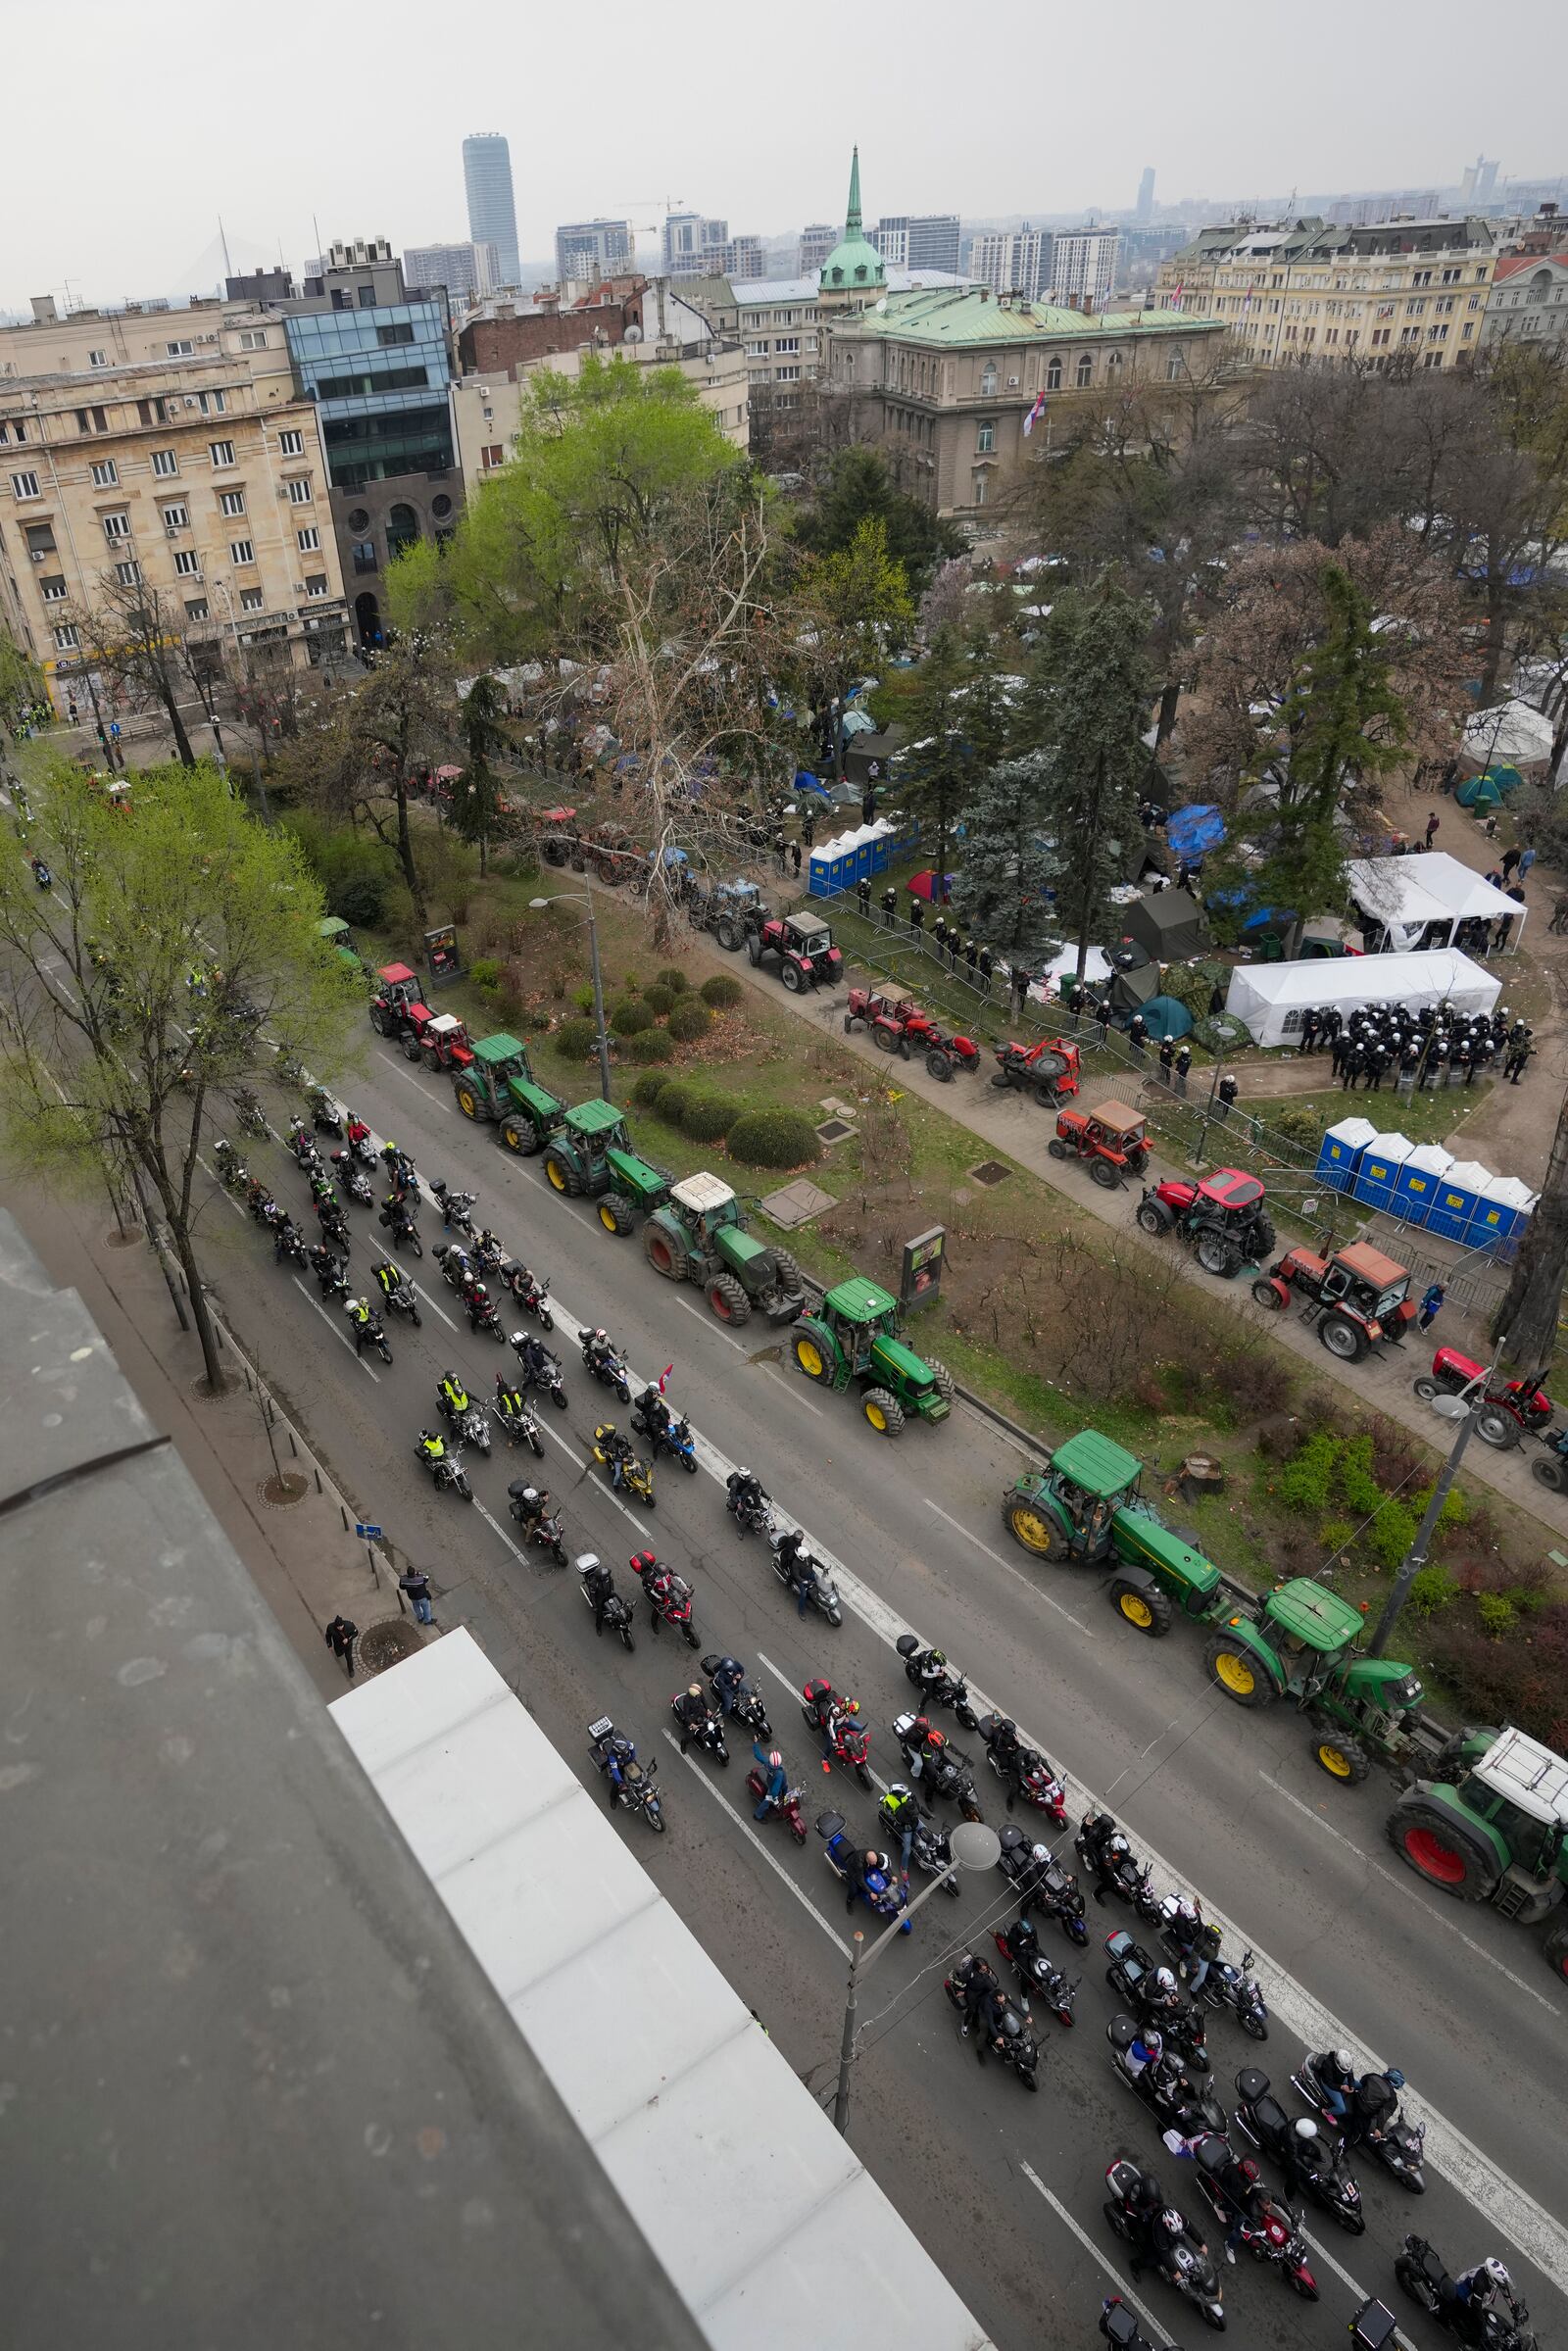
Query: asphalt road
[{"x": 1005, "y": 2188}]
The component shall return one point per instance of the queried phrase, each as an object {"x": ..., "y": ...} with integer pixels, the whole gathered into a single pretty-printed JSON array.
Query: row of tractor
[{"x": 1488, "y": 1819}]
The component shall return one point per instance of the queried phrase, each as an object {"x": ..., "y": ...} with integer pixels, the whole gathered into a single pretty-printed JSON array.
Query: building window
[
  {"x": 65, "y": 637},
  {"x": 786, "y": 375},
  {"x": 1054, "y": 375},
  {"x": 222, "y": 453},
  {"x": 1086, "y": 371},
  {"x": 53, "y": 589},
  {"x": 187, "y": 563},
  {"x": 231, "y": 503},
  {"x": 251, "y": 600},
  {"x": 291, "y": 443},
  {"x": 787, "y": 343},
  {"x": 1176, "y": 367},
  {"x": 92, "y": 420},
  {"x": 985, "y": 439},
  {"x": 299, "y": 492},
  {"x": 128, "y": 574},
  {"x": 757, "y": 351},
  {"x": 97, "y": 359},
  {"x": 364, "y": 555},
  {"x": 981, "y": 477},
  {"x": 117, "y": 526},
  {"x": 987, "y": 383},
  {"x": 24, "y": 485},
  {"x": 492, "y": 456},
  {"x": 176, "y": 517},
  {"x": 165, "y": 463},
  {"x": 214, "y": 404},
  {"x": 395, "y": 333},
  {"x": 316, "y": 584},
  {"x": 241, "y": 551},
  {"x": 441, "y": 507},
  {"x": 307, "y": 541},
  {"x": 178, "y": 351},
  {"x": 196, "y": 609},
  {"x": 253, "y": 338},
  {"x": 402, "y": 528}
]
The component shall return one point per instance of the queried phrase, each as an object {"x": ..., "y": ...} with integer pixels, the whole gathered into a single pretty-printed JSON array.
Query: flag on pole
[
  {"x": 663, "y": 1376},
  {"x": 1176, "y": 298},
  {"x": 1037, "y": 412}
]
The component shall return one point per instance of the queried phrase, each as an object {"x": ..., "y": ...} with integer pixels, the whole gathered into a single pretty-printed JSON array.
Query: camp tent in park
[
  {"x": 1131, "y": 991},
  {"x": 1417, "y": 900},
  {"x": 1269, "y": 999},
  {"x": 1168, "y": 924},
  {"x": 1167, "y": 1017},
  {"x": 1512, "y": 731},
  {"x": 1192, "y": 831}
]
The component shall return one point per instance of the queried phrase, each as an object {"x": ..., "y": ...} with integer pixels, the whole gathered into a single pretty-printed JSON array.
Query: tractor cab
[
  {"x": 1366, "y": 1280},
  {"x": 808, "y": 939},
  {"x": 1300, "y": 1641},
  {"x": 697, "y": 1233},
  {"x": 1520, "y": 1788},
  {"x": 1091, "y": 1476},
  {"x": 1358, "y": 1297},
  {"x": 590, "y": 1154},
  {"x": 853, "y": 1335},
  {"x": 1111, "y": 1138},
  {"x": 396, "y": 1007},
  {"x": 707, "y": 1206},
  {"x": 444, "y": 1043},
  {"x": 335, "y": 933},
  {"x": 1495, "y": 1831}
]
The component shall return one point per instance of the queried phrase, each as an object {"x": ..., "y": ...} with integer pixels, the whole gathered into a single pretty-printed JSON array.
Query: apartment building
[
  {"x": 1528, "y": 302},
  {"x": 1013, "y": 260},
  {"x": 588, "y": 250},
  {"x": 816, "y": 243},
  {"x": 693, "y": 245},
  {"x": 1401, "y": 292},
  {"x": 194, "y": 468},
  {"x": 917, "y": 241},
  {"x": 1083, "y": 267},
  {"x": 468, "y": 272}
]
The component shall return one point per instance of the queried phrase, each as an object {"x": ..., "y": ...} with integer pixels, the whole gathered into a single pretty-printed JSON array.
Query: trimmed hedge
[
  {"x": 650, "y": 1045},
  {"x": 659, "y": 1000},
  {"x": 574, "y": 1039},
  {"x": 773, "y": 1139},
  {"x": 627, "y": 1018},
  {"x": 647, "y": 1088},
  {"x": 721, "y": 992},
  {"x": 690, "y": 1019},
  {"x": 709, "y": 1117},
  {"x": 674, "y": 980},
  {"x": 674, "y": 1096}
]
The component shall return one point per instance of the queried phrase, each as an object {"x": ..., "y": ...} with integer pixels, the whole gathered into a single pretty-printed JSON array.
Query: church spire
[{"x": 852, "y": 219}]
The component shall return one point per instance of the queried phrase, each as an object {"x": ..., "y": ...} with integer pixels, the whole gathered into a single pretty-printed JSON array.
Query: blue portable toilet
[
  {"x": 1458, "y": 1195},
  {"x": 1378, "y": 1171},
  {"x": 1501, "y": 1213},
  {"x": 1419, "y": 1177},
  {"x": 1340, "y": 1152}
]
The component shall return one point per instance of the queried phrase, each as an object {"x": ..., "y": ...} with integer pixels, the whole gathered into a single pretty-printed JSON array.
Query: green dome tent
[{"x": 1166, "y": 1017}]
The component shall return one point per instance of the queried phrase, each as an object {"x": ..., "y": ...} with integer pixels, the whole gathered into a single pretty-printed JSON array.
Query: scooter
[
  {"x": 788, "y": 1807},
  {"x": 878, "y": 1887},
  {"x": 824, "y": 1592},
  {"x": 709, "y": 1733}
]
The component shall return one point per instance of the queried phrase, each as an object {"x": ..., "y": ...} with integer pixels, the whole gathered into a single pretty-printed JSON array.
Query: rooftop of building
[
  {"x": 959, "y": 319},
  {"x": 1511, "y": 263},
  {"x": 1318, "y": 239}
]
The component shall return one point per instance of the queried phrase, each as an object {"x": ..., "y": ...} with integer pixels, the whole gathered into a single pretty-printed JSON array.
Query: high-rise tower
[{"x": 492, "y": 213}]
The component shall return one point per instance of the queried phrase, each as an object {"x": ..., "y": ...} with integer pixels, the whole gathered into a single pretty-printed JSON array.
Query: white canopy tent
[
  {"x": 1269, "y": 999},
  {"x": 1512, "y": 733},
  {"x": 1407, "y": 896}
]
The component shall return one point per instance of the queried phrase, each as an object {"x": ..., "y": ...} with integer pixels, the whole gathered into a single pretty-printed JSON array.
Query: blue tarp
[{"x": 1193, "y": 830}]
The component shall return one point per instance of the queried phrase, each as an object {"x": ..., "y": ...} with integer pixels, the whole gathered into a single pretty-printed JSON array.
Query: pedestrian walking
[
  {"x": 1559, "y": 916},
  {"x": 1184, "y": 1062},
  {"x": 1527, "y": 860},
  {"x": 1168, "y": 1060},
  {"x": 341, "y": 1634},
  {"x": 1513, "y": 1069},
  {"x": 1495, "y": 877},
  {"x": 795, "y": 859},
  {"x": 1017, "y": 988},
  {"x": 1431, "y": 827},
  {"x": 1510, "y": 859},
  {"x": 1430, "y": 1306},
  {"x": 416, "y": 1585},
  {"x": 862, "y": 893}
]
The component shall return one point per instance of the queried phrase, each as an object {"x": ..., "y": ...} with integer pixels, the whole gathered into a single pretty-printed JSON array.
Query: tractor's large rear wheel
[
  {"x": 1342, "y": 1338},
  {"x": 1154, "y": 1217},
  {"x": 1239, "y": 1674},
  {"x": 617, "y": 1215},
  {"x": 884, "y": 1412},
  {"x": 1440, "y": 1849},
  {"x": 561, "y": 1175},
  {"x": 728, "y": 935},
  {"x": 1218, "y": 1254},
  {"x": 1555, "y": 1948},
  {"x": 664, "y": 1255},
  {"x": 1148, "y": 1611},
  {"x": 1035, "y": 1527},
  {"x": 411, "y": 1047},
  {"x": 727, "y": 1300},
  {"x": 1341, "y": 1756},
  {"x": 789, "y": 974},
  {"x": 1102, "y": 1173},
  {"x": 790, "y": 1280}
]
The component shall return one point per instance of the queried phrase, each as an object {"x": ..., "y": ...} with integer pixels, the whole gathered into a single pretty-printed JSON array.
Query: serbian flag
[
  {"x": 663, "y": 1376},
  {"x": 1176, "y": 298},
  {"x": 1037, "y": 412}
]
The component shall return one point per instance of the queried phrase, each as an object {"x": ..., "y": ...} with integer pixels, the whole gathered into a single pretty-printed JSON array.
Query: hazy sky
[{"x": 127, "y": 129}]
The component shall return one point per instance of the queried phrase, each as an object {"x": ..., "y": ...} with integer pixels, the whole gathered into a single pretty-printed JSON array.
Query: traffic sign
[{"x": 366, "y": 1534}]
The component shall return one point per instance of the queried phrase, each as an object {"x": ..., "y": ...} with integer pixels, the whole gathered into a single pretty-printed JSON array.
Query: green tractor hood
[
  {"x": 1142, "y": 1541},
  {"x": 646, "y": 1186},
  {"x": 1384, "y": 1683},
  {"x": 538, "y": 1103},
  {"x": 744, "y": 1253},
  {"x": 911, "y": 1380}
]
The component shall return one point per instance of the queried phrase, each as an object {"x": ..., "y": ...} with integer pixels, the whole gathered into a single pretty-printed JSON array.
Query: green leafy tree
[
  {"x": 121, "y": 1059},
  {"x": 21, "y": 678},
  {"x": 852, "y": 606},
  {"x": 860, "y": 488},
  {"x": 483, "y": 725},
  {"x": 1008, "y": 865}
]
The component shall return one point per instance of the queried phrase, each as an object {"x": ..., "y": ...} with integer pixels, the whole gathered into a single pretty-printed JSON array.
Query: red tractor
[
  {"x": 1048, "y": 1070},
  {"x": 900, "y": 1027},
  {"x": 1359, "y": 1298},
  {"x": 437, "y": 1039},
  {"x": 1222, "y": 1219},
  {"x": 395, "y": 1008},
  {"x": 558, "y": 841},
  {"x": 806, "y": 955},
  {"x": 1112, "y": 1139},
  {"x": 1509, "y": 1410}
]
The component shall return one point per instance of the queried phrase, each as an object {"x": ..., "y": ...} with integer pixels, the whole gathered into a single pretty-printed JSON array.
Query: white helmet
[
  {"x": 1164, "y": 1981},
  {"x": 1344, "y": 2062},
  {"x": 1307, "y": 2129},
  {"x": 1039, "y": 1854},
  {"x": 1492, "y": 2269}
]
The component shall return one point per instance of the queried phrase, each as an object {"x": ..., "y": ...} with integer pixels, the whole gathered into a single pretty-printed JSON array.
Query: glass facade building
[
  {"x": 492, "y": 211},
  {"x": 379, "y": 378}
]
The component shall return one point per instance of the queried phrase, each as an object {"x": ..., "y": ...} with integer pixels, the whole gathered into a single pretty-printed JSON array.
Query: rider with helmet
[
  {"x": 1186, "y": 1928},
  {"x": 596, "y": 1350},
  {"x": 432, "y": 1448},
  {"x": 774, "y": 1777},
  {"x": 510, "y": 1403},
  {"x": 730, "y": 1679},
  {"x": 1108, "y": 1849},
  {"x": 535, "y": 1356},
  {"x": 599, "y": 1584},
  {"x": 900, "y": 1817},
  {"x": 361, "y": 1323},
  {"x": 746, "y": 1495},
  {"x": 1483, "y": 2288},
  {"x": 1336, "y": 2074},
  {"x": 531, "y": 1503},
  {"x": 691, "y": 1712},
  {"x": 1304, "y": 2155},
  {"x": 1372, "y": 2106},
  {"x": 1161, "y": 1994},
  {"x": 616, "y": 1450},
  {"x": 653, "y": 1412},
  {"x": 976, "y": 1979},
  {"x": 799, "y": 1566},
  {"x": 454, "y": 1395}
]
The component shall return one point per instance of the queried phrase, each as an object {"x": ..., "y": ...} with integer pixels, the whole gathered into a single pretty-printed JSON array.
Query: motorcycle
[
  {"x": 1175, "y": 2101},
  {"x": 1051, "y": 1888},
  {"x": 531, "y": 1295},
  {"x": 326, "y": 1116},
  {"x": 1265, "y": 2121},
  {"x": 944, "y": 1688},
  {"x": 1400, "y": 2146},
  {"x": 878, "y": 1887},
  {"x": 1128, "y": 1881},
  {"x": 1014, "y": 2041},
  {"x": 401, "y": 1228},
  {"x": 824, "y": 1592},
  {"x": 482, "y": 1313},
  {"x": 1025, "y": 1770},
  {"x": 519, "y": 1427},
  {"x": 1224, "y": 1987},
  {"x": 672, "y": 1436},
  {"x": 488, "y": 1255},
  {"x": 446, "y": 1471},
  {"x": 334, "y": 1225},
  {"x": 249, "y": 1117},
  {"x": 709, "y": 1733},
  {"x": 1276, "y": 2236},
  {"x": 616, "y": 1614},
  {"x": 549, "y": 1379},
  {"x": 669, "y": 1603},
  {"x": 930, "y": 1850},
  {"x": 545, "y": 1529},
  {"x": 1119, "y": 2327},
  {"x": 788, "y": 1807},
  {"x": 402, "y": 1173},
  {"x": 302, "y": 1142},
  {"x": 1130, "y": 1975},
  {"x": 360, "y": 1144},
  {"x": 1421, "y": 2272},
  {"x": 232, "y": 1172},
  {"x": 403, "y": 1299},
  {"x": 352, "y": 1182},
  {"x": 466, "y": 1421},
  {"x": 754, "y": 1514},
  {"x": 628, "y": 1473},
  {"x": 942, "y": 1773},
  {"x": 287, "y": 1247},
  {"x": 457, "y": 1207},
  {"x": 259, "y": 1201},
  {"x": 370, "y": 1334},
  {"x": 456, "y": 1270},
  {"x": 748, "y": 1707},
  {"x": 1019, "y": 1944},
  {"x": 631, "y": 1783},
  {"x": 1180, "y": 2254},
  {"x": 850, "y": 1740},
  {"x": 332, "y": 1282},
  {"x": 607, "y": 1368}
]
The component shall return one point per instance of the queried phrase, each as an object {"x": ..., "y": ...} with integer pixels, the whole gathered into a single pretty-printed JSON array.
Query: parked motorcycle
[
  {"x": 627, "y": 1472},
  {"x": 850, "y": 1740},
  {"x": 1046, "y": 1887},
  {"x": 1014, "y": 2041},
  {"x": 1421, "y": 2272},
  {"x": 1400, "y": 2146},
  {"x": 939, "y": 1686},
  {"x": 543, "y": 1529},
  {"x": 1038, "y": 1977},
  {"x": 1224, "y": 1987},
  {"x": 672, "y": 1436},
  {"x": 1175, "y": 2101},
  {"x": 531, "y": 1295},
  {"x": 878, "y": 1887},
  {"x": 457, "y": 1207},
  {"x": 938, "y": 1770},
  {"x": 519, "y": 1428},
  {"x": 356, "y": 1185},
  {"x": 824, "y": 1592},
  {"x": 447, "y": 1470},
  {"x": 748, "y": 1707},
  {"x": 1027, "y": 1771},
  {"x": 249, "y": 1117},
  {"x": 709, "y": 1733},
  {"x": 787, "y": 1809},
  {"x": 669, "y": 1597},
  {"x": 1120, "y": 2328},
  {"x": 1276, "y": 2238},
  {"x": 326, "y": 1116},
  {"x": 1131, "y": 1974},
  {"x": 607, "y": 1368},
  {"x": 1179, "y": 2254},
  {"x": 1265, "y": 2121},
  {"x": 617, "y": 1611},
  {"x": 630, "y": 1782}
]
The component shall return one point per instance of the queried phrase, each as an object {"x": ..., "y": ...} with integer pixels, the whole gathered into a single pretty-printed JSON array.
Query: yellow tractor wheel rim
[
  {"x": 1032, "y": 1530},
  {"x": 1136, "y": 1610},
  {"x": 606, "y": 1219},
  {"x": 557, "y": 1179},
  {"x": 1333, "y": 1759},
  {"x": 807, "y": 1357},
  {"x": 876, "y": 1416},
  {"x": 1235, "y": 1672},
  {"x": 466, "y": 1105}
]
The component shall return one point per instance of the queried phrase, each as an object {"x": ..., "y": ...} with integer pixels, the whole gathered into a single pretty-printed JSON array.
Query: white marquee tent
[
  {"x": 1407, "y": 896},
  {"x": 1269, "y": 999},
  {"x": 1512, "y": 732}
]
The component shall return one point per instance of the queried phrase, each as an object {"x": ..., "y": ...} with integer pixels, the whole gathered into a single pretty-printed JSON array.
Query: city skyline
[{"x": 284, "y": 191}]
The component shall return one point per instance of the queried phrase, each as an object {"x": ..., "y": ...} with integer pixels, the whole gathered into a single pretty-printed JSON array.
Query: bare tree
[{"x": 136, "y": 635}]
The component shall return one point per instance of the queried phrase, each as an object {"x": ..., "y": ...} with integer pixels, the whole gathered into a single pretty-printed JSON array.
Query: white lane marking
[
  {"x": 336, "y": 1333},
  {"x": 1340, "y": 2272},
  {"x": 1028, "y": 1581},
  {"x": 435, "y": 1305},
  {"x": 706, "y": 1318},
  {"x": 496, "y": 1529},
  {"x": 1394, "y": 1878},
  {"x": 410, "y": 1079},
  {"x": 1095, "y": 2255},
  {"x": 793, "y": 1392},
  {"x": 747, "y": 1829},
  {"x": 782, "y": 1678}
]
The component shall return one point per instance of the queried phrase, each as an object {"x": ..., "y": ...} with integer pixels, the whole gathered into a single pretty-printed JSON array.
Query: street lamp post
[
  {"x": 1465, "y": 1409},
  {"x": 600, "y": 1039},
  {"x": 973, "y": 1846}
]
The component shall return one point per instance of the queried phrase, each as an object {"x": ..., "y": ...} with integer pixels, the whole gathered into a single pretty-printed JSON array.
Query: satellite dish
[{"x": 633, "y": 335}]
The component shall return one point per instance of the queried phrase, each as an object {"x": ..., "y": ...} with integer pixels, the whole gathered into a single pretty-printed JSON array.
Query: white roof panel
[
  {"x": 442, "y": 1024},
  {"x": 1531, "y": 1776},
  {"x": 702, "y": 1192}
]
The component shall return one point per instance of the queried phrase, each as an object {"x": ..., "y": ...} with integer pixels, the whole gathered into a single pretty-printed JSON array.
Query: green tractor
[
  {"x": 1086, "y": 1510},
  {"x": 590, "y": 1155},
  {"x": 1299, "y": 1643},
  {"x": 854, "y": 1335},
  {"x": 492, "y": 1081},
  {"x": 698, "y": 1235},
  {"x": 1496, "y": 1830}
]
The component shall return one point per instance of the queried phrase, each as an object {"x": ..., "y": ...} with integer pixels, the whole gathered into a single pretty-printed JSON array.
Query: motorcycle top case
[{"x": 602, "y": 1728}]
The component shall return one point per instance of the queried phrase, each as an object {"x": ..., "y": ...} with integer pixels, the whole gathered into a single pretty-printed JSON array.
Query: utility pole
[{"x": 1415, "y": 1559}]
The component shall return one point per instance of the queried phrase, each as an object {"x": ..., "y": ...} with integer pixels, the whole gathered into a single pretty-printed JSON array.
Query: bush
[
  {"x": 1433, "y": 1588},
  {"x": 650, "y": 1045},
  {"x": 583, "y": 998},
  {"x": 1307, "y": 1481},
  {"x": 722, "y": 991},
  {"x": 1390, "y": 1535},
  {"x": 628, "y": 1018},
  {"x": 1335, "y": 1533},
  {"x": 1497, "y": 1613},
  {"x": 647, "y": 1088},
  {"x": 486, "y": 973},
  {"x": 673, "y": 1099},
  {"x": 708, "y": 1117},
  {"x": 689, "y": 1020},
  {"x": 357, "y": 875},
  {"x": 1254, "y": 1382},
  {"x": 659, "y": 1000},
  {"x": 1297, "y": 1123},
  {"x": 573, "y": 1040},
  {"x": 773, "y": 1139},
  {"x": 674, "y": 980}
]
